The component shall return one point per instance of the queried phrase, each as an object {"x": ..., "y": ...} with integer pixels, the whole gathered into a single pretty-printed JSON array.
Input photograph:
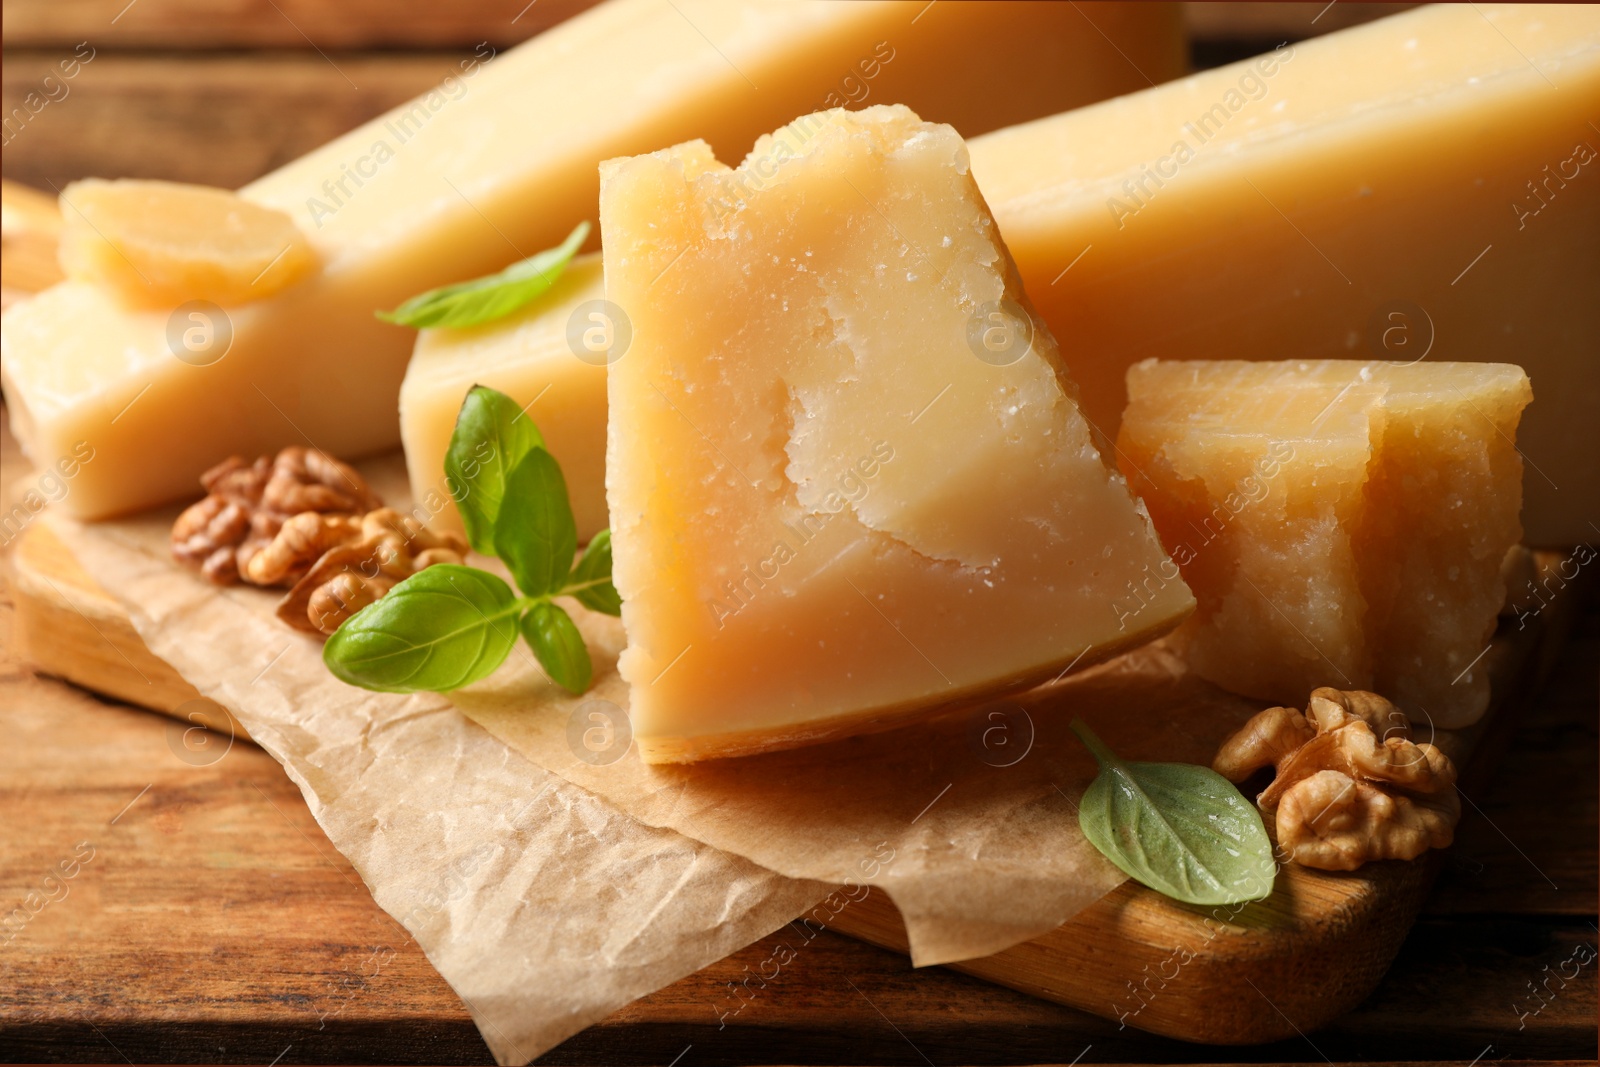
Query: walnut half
[
  {"x": 1351, "y": 785},
  {"x": 350, "y": 575}
]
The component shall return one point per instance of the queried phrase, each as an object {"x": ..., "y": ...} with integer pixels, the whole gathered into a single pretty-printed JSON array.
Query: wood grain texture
[
  {"x": 216, "y": 120},
  {"x": 291, "y": 24}
]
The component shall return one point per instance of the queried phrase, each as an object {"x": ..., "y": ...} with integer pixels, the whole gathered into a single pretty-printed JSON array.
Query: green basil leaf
[
  {"x": 1182, "y": 830},
  {"x": 590, "y": 581},
  {"x": 556, "y": 642},
  {"x": 534, "y": 532},
  {"x": 492, "y": 435},
  {"x": 440, "y": 629},
  {"x": 493, "y": 296}
]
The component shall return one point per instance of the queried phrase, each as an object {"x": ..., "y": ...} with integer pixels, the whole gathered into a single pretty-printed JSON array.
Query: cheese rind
[
  {"x": 834, "y": 505},
  {"x": 529, "y": 356},
  {"x": 1342, "y": 523},
  {"x": 495, "y": 164},
  {"x": 1427, "y": 184}
]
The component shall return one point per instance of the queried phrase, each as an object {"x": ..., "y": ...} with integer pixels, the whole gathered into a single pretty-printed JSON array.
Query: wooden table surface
[{"x": 207, "y": 918}]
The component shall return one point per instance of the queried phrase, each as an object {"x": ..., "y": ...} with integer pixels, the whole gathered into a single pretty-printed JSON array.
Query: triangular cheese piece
[{"x": 846, "y": 485}]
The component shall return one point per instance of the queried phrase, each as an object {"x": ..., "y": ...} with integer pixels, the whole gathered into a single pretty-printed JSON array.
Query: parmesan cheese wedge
[{"x": 848, "y": 479}]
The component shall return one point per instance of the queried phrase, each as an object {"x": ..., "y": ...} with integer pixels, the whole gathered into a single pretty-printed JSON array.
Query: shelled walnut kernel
[
  {"x": 248, "y": 504},
  {"x": 305, "y": 520},
  {"x": 352, "y": 575},
  {"x": 1351, "y": 785}
]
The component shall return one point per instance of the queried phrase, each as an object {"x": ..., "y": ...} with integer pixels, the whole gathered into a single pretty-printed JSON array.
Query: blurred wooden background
[{"x": 222, "y": 91}]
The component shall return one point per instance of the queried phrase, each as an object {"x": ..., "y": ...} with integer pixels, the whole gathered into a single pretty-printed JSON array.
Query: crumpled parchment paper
[
  {"x": 968, "y": 822},
  {"x": 592, "y": 878},
  {"x": 545, "y": 907}
]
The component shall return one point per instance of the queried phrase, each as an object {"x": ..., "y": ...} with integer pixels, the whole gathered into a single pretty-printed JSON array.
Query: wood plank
[
  {"x": 1271, "y": 23},
  {"x": 216, "y": 120},
  {"x": 294, "y": 24}
]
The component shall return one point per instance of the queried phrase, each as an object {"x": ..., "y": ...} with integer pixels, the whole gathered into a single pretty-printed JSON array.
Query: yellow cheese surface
[
  {"x": 1425, "y": 185},
  {"x": 528, "y": 356},
  {"x": 842, "y": 490},
  {"x": 1342, "y": 523},
  {"x": 496, "y": 164}
]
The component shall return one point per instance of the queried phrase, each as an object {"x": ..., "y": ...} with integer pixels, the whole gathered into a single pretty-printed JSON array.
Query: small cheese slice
[
  {"x": 1424, "y": 185},
  {"x": 1341, "y": 523},
  {"x": 494, "y": 165},
  {"x": 847, "y": 482},
  {"x": 550, "y": 357},
  {"x": 159, "y": 244}
]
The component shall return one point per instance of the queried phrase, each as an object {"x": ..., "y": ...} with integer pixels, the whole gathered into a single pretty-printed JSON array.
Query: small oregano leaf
[
  {"x": 1181, "y": 829},
  {"x": 491, "y": 297},
  {"x": 590, "y": 581},
  {"x": 555, "y": 640},
  {"x": 440, "y": 629},
  {"x": 534, "y": 532},
  {"x": 491, "y": 436}
]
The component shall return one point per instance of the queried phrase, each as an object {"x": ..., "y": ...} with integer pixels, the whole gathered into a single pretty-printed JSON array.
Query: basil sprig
[
  {"x": 451, "y": 625},
  {"x": 492, "y": 296},
  {"x": 1180, "y": 829}
]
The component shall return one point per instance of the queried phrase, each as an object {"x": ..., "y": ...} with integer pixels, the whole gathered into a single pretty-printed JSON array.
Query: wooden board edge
[{"x": 70, "y": 628}]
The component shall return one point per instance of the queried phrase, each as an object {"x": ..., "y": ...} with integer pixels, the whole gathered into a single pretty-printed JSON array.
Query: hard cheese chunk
[
  {"x": 1342, "y": 523},
  {"x": 837, "y": 498},
  {"x": 545, "y": 358},
  {"x": 159, "y": 244},
  {"x": 497, "y": 163},
  {"x": 1426, "y": 184}
]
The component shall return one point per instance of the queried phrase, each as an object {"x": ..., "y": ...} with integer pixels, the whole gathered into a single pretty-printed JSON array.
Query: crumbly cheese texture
[
  {"x": 828, "y": 512},
  {"x": 495, "y": 164},
  {"x": 1341, "y": 523},
  {"x": 1425, "y": 184},
  {"x": 531, "y": 355}
]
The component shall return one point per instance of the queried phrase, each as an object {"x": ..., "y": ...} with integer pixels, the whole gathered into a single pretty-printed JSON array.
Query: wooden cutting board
[
  {"x": 1272, "y": 969},
  {"x": 1311, "y": 951}
]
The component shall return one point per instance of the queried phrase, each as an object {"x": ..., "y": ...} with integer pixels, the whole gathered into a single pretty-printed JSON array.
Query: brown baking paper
[
  {"x": 545, "y": 907},
  {"x": 968, "y": 822}
]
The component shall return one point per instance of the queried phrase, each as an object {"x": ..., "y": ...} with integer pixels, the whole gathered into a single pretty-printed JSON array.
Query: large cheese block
[
  {"x": 848, "y": 483},
  {"x": 496, "y": 164},
  {"x": 542, "y": 356},
  {"x": 1342, "y": 523},
  {"x": 1426, "y": 186}
]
